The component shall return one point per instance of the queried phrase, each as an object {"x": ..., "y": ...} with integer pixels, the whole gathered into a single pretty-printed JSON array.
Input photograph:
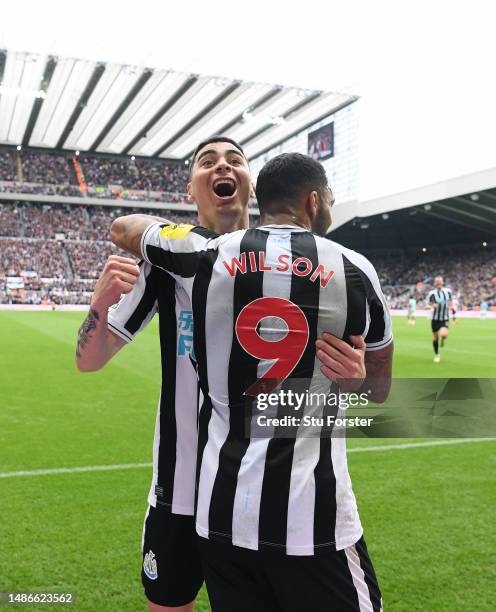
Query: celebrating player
[
  {"x": 277, "y": 516},
  {"x": 439, "y": 302},
  {"x": 220, "y": 185}
]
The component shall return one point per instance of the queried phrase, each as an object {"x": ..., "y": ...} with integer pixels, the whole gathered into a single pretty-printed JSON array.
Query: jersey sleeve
[
  {"x": 380, "y": 331},
  {"x": 135, "y": 309},
  {"x": 177, "y": 249},
  {"x": 432, "y": 297}
]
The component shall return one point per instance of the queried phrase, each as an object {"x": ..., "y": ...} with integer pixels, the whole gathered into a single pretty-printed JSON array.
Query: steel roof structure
[{"x": 77, "y": 104}]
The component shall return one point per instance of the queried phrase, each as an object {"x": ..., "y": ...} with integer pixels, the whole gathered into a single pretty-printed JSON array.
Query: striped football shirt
[
  {"x": 175, "y": 439},
  {"x": 440, "y": 298},
  {"x": 261, "y": 297}
]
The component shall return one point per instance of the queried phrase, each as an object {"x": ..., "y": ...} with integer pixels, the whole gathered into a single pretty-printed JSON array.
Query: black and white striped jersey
[
  {"x": 261, "y": 297},
  {"x": 176, "y": 435},
  {"x": 440, "y": 298}
]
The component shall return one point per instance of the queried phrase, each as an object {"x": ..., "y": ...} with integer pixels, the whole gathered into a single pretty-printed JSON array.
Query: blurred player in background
[
  {"x": 484, "y": 307},
  {"x": 439, "y": 302},
  {"x": 412, "y": 303}
]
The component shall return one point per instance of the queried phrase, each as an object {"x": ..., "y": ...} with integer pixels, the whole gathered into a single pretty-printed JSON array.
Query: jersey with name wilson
[{"x": 250, "y": 289}]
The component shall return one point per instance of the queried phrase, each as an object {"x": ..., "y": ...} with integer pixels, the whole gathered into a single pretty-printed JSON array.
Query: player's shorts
[
  {"x": 171, "y": 572},
  {"x": 242, "y": 580},
  {"x": 436, "y": 325}
]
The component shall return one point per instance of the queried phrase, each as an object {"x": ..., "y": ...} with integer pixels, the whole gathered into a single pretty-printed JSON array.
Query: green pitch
[{"x": 428, "y": 512}]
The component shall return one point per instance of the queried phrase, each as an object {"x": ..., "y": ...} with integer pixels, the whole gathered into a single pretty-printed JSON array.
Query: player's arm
[
  {"x": 355, "y": 368},
  {"x": 126, "y": 232},
  {"x": 174, "y": 248},
  {"x": 96, "y": 345}
]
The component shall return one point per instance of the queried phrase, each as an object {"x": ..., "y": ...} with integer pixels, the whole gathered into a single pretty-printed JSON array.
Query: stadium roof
[{"x": 65, "y": 103}]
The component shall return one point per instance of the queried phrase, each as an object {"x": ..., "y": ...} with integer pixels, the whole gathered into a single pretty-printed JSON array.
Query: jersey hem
[
  {"x": 304, "y": 550},
  {"x": 173, "y": 508}
]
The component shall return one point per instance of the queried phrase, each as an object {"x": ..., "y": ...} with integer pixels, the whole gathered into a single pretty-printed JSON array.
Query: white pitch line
[
  {"x": 133, "y": 466},
  {"x": 365, "y": 449},
  {"x": 76, "y": 470}
]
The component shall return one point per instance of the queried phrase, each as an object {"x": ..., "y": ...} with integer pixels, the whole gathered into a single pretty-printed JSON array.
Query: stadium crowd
[
  {"x": 63, "y": 174},
  {"x": 57, "y": 251}
]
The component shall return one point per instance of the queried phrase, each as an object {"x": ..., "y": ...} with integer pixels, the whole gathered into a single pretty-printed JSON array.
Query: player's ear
[
  {"x": 252, "y": 191},
  {"x": 189, "y": 189},
  {"x": 312, "y": 204}
]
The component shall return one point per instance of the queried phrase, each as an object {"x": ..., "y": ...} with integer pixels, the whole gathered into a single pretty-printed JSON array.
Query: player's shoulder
[{"x": 354, "y": 257}]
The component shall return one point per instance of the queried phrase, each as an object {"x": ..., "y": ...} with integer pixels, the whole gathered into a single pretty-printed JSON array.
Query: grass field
[{"x": 428, "y": 512}]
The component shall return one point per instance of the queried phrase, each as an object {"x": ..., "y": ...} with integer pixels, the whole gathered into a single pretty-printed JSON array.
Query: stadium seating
[
  {"x": 57, "y": 252},
  {"x": 63, "y": 174}
]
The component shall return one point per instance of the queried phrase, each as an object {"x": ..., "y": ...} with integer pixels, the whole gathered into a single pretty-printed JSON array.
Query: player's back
[
  {"x": 273, "y": 291},
  {"x": 261, "y": 298}
]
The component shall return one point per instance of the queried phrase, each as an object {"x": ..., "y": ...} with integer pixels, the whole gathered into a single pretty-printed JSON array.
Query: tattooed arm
[{"x": 96, "y": 345}]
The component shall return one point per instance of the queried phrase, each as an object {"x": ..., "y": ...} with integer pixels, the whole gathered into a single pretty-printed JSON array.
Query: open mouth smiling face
[{"x": 225, "y": 188}]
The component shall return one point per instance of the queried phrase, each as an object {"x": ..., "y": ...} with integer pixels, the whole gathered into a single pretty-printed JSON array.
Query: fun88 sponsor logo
[{"x": 185, "y": 333}]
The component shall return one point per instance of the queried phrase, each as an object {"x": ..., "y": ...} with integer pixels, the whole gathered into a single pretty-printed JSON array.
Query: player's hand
[
  {"x": 118, "y": 276},
  {"x": 341, "y": 362}
]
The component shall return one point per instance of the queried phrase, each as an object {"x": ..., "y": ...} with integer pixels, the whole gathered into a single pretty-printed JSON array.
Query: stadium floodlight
[
  {"x": 424, "y": 250},
  {"x": 484, "y": 244},
  {"x": 277, "y": 106},
  {"x": 427, "y": 207},
  {"x": 19, "y": 147},
  {"x": 321, "y": 107},
  {"x": 204, "y": 91},
  {"x": 66, "y": 86},
  {"x": 133, "y": 158},
  {"x": 229, "y": 109},
  {"x": 474, "y": 197},
  {"x": 113, "y": 86},
  {"x": 156, "y": 91},
  {"x": 385, "y": 216},
  {"x": 18, "y": 90}
]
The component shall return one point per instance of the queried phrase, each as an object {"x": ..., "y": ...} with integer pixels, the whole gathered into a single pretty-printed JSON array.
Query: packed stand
[
  {"x": 470, "y": 272},
  {"x": 57, "y": 252},
  {"x": 10, "y": 219},
  {"x": 8, "y": 165}
]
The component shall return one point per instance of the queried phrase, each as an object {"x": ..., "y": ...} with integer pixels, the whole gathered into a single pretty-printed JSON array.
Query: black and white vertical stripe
[
  {"x": 175, "y": 439},
  {"x": 440, "y": 299},
  {"x": 289, "y": 494}
]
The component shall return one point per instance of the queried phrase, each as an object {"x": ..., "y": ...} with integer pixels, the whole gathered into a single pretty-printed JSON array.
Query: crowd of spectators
[
  {"x": 469, "y": 272},
  {"x": 64, "y": 174},
  {"x": 63, "y": 248}
]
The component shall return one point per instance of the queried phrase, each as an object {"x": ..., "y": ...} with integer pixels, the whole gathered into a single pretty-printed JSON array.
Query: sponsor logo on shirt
[
  {"x": 172, "y": 232},
  {"x": 185, "y": 333}
]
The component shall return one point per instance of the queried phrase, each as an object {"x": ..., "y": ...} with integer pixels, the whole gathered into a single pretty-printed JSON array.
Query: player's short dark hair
[
  {"x": 286, "y": 176},
  {"x": 210, "y": 140}
]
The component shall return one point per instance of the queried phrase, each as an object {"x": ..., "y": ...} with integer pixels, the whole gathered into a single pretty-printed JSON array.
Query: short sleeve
[
  {"x": 175, "y": 248},
  {"x": 135, "y": 309}
]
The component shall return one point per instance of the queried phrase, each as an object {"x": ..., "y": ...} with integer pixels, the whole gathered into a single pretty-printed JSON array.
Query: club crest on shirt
[
  {"x": 172, "y": 232},
  {"x": 150, "y": 565}
]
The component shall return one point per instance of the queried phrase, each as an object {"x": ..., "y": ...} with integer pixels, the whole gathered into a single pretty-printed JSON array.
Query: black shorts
[
  {"x": 171, "y": 572},
  {"x": 436, "y": 325},
  {"x": 242, "y": 580}
]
